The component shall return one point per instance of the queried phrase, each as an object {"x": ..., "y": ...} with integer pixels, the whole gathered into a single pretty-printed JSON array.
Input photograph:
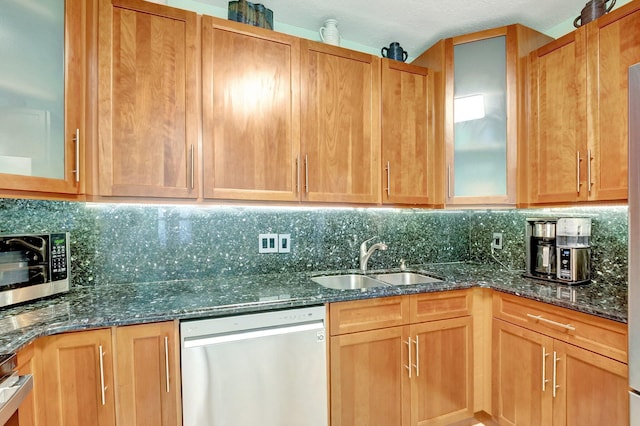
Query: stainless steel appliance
[
  {"x": 265, "y": 369},
  {"x": 634, "y": 243},
  {"x": 33, "y": 266},
  {"x": 558, "y": 249},
  {"x": 13, "y": 389}
]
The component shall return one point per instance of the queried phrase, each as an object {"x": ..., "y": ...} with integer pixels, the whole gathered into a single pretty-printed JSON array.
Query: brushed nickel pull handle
[
  {"x": 544, "y": 369},
  {"x": 559, "y": 324},
  {"x": 102, "y": 386},
  {"x": 306, "y": 173},
  {"x": 578, "y": 184},
  {"x": 589, "y": 158},
  {"x": 297, "y": 174},
  {"x": 409, "y": 366},
  {"x": 449, "y": 180},
  {"x": 417, "y": 364},
  {"x": 76, "y": 140},
  {"x": 166, "y": 361},
  {"x": 555, "y": 375},
  {"x": 388, "y": 179},
  {"x": 192, "y": 155}
]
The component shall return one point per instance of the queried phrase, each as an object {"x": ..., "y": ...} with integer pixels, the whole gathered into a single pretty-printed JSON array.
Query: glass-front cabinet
[{"x": 41, "y": 96}]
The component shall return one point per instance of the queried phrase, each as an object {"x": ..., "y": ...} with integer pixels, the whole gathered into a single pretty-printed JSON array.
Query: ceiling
[{"x": 417, "y": 24}]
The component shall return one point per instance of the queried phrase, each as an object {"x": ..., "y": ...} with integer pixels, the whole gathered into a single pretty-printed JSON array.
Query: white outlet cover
[
  {"x": 267, "y": 243},
  {"x": 284, "y": 243}
]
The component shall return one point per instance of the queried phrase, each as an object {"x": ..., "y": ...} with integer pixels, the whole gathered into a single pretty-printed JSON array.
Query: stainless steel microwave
[{"x": 33, "y": 266}]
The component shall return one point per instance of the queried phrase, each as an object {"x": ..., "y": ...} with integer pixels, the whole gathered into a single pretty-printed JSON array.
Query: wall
[{"x": 118, "y": 243}]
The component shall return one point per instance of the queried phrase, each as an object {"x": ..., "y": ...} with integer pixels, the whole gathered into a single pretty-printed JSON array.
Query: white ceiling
[{"x": 417, "y": 24}]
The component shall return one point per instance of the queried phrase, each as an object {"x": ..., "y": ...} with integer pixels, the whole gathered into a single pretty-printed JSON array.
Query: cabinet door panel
[
  {"x": 147, "y": 100},
  {"x": 340, "y": 116},
  {"x": 592, "y": 389},
  {"x": 518, "y": 375},
  {"x": 71, "y": 381},
  {"x": 407, "y": 156},
  {"x": 613, "y": 48},
  {"x": 558, "y": 126},
  {"x": 369, "y": 381},
  {"x": 250, "y": 113},
  {"x": 147, "y": 368},
  {"x": 442, "y": 391}
]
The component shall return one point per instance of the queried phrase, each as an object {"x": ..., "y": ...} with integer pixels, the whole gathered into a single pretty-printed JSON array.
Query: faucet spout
[{"x": 365, "y": 253}]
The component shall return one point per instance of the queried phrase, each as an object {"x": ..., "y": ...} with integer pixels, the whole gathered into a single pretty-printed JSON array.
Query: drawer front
[
  {"x": 368, "y": 314},
  {"x": 606, "y": 337},
  {"x": 441, "y": 305}
]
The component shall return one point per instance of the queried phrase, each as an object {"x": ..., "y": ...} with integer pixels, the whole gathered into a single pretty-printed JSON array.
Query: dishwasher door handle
[{"x": 194, "y": 342}]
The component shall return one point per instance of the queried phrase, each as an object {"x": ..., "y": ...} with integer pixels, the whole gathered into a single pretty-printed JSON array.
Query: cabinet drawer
[
  {"x": 596, "y": 334},
  {"x": 369, "y": 314},
  {"x": 440, "y": 305}
]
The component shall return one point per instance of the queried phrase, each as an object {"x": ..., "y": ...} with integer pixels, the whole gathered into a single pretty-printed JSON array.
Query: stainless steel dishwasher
[{"x": 267, "y": 369}]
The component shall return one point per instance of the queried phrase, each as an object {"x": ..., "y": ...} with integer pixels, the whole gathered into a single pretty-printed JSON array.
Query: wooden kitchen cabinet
[
  {"x": 48, "y": 144},
  {"x": 76, "y": 380},
  {"x": 251, "y": 112},
  {"x": 411, "y": 160},
  {"x": 386, "y": 369},
  {"x": 579, "y": 111},
  {"x": 340, "y": 119},
  {"x": 26, "y": 415},
  {"x": 127, "y": 375},
  {"x": 539, "y": 378},
  {"x": 147, "y": 100},
  {"x": 481, "y": 149},
  {"x": 147, "y": 368}
]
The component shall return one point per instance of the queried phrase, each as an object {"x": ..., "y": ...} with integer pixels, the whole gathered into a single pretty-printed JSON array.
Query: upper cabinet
[
  {"x": 148, "y": 103},
  {"x": 411, "y": 160},
  {"x": 251, "y": 112},
  {"x": 579, "y": 111},
  {"x": 42, "y": 97},
  {"x": 480, "y": 117},
  {"x": 340, "y": 143}
]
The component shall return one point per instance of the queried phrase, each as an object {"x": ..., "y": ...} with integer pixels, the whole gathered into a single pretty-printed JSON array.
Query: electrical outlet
[
  {"x": 267, "y": 243},
  {"x": 284, "y": 243},
  {"x": 496, "y": 243}
]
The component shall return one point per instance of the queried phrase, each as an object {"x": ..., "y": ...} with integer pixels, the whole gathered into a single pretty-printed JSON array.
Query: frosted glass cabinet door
[
  {"x": 480, "y": 119},
  {"x": 32, "y": 88}
]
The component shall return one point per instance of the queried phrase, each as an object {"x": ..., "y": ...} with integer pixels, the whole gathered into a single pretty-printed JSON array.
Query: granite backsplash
[{"x": 124, "y": 243}]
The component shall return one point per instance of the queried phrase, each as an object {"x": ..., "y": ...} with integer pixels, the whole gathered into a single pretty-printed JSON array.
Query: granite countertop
[{"x": 104, "y": 305}]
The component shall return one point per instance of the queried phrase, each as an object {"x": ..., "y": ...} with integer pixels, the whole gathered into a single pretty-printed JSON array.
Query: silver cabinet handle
[
  {"x": 449, "y": 180},
  {"x": 388, "y": 179},
  {"x": 306, "y": 173},
  {"x": 544, "y": 369},
  {"x": 409, "y": 366},
  {"x": 102, "y": 386},
  {"x": 555, "y": 375},
  {"x": 589, "y": 158},
  {"x": 578, "y": 160},
  {"x": 559, "y": 324},
  {"x": 192, "y": 155},
  {"x": 76, "y": 140},
  {"x": 297, "y": 174},
  {"x": 417, "y": 364},
  {"x": 166, "y": 361}
]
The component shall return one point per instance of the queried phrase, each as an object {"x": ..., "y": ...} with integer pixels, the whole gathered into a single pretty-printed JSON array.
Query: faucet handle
[
  {"x": 403, "y": 265},
  {"x": 363, "y": 246}
]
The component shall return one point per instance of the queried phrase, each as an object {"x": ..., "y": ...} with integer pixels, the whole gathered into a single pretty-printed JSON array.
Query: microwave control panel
[{"x": 59, "y": 260}]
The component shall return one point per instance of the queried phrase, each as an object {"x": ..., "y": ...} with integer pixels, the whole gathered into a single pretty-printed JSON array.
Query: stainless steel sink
[
  {"x": 347, "y": 281},
  {"x": 405, "y": 278}
]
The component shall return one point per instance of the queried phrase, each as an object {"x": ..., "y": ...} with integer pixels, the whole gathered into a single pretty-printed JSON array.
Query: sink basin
[
  {"x": 347, "y": 281},
  {"x": 406, "y": 278}
]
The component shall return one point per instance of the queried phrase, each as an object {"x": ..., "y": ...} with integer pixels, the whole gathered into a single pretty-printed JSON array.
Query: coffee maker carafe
[{"x": 541, "y": 248}]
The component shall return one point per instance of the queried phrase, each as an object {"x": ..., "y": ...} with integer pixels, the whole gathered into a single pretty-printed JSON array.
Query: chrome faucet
[{"x": 366, "y": 254}]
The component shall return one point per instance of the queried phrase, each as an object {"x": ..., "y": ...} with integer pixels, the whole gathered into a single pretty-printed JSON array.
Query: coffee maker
[{"x": 558, "y": 249}]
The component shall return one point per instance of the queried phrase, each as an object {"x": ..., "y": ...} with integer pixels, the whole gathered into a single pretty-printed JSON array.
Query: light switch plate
[
  {"x": 284, "y": 243},
  {"x": 267, "y": 243}
]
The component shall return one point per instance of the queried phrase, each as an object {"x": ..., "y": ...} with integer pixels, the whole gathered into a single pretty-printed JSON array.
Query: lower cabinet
[
  {"x": 389, "y": 369},
  {"x": 124, "y": 375},
  {"x": 541, "y": 379}
]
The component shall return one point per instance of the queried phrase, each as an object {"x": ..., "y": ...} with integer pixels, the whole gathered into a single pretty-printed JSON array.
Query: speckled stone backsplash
[{"x": 121, "y": 243}]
